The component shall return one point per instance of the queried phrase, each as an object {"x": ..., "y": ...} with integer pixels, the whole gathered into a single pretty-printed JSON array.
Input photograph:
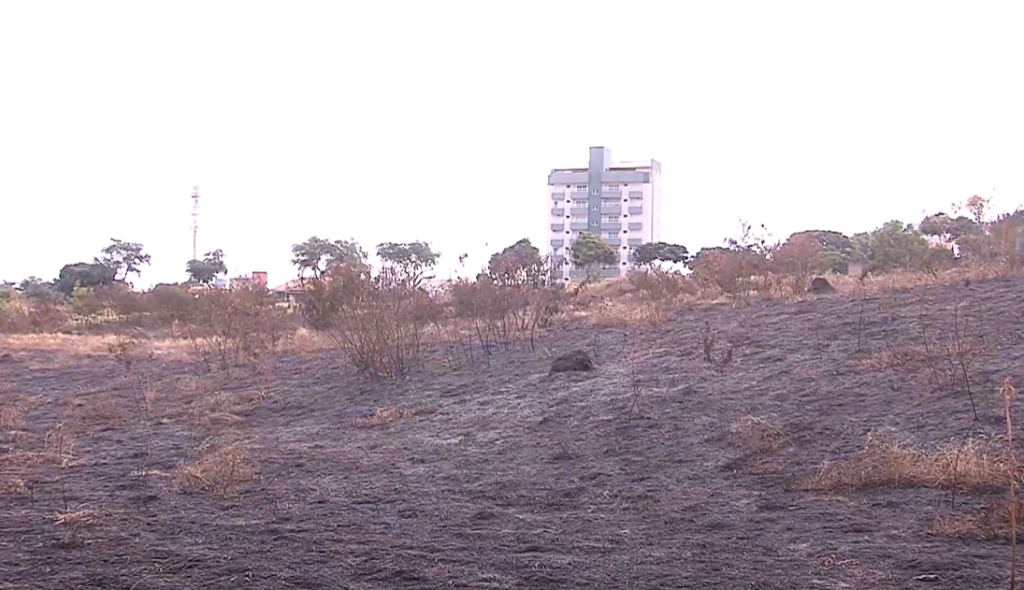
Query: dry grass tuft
[
  {"x": 973, "y": 465},
  {"x": 383, "y": 416},
  {"x": 12, "y": 417},
  {"x": 59, "y": 445},
  {"x": 12, "y": 484},
  {"x": 992, "y": 521},
  {"x": 220, "y": 471},
  {"x": 892, "y": 357},
  {"x": 759, "y": 433}
]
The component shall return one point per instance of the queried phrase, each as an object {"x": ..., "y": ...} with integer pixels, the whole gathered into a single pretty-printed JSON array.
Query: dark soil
[{"x": 499, "y": 475}]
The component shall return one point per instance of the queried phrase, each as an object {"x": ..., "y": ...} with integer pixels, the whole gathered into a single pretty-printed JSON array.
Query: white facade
[{"x": 623, "y": 209}]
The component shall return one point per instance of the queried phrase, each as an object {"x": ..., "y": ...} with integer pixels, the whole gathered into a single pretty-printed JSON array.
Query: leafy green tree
[
  {"x": 651, "y": 253},
  {"x": 409, "y": 261},
  {"x": 318, "y": 256},
  {"x": 896, "y": 246},
  {"x": 85, "y": 275},
  {"x": 950, "y": 229},
  {"x": 591, "y": 253},
  {"x": 205, "y": 271},
  {"x": 836, "y": 249},
  {"x": 124, "y": 257},
  {"x": 518, "y": 264}
]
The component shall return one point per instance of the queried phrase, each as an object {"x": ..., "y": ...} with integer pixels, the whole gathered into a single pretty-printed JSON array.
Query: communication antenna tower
[{"x": 195, "y": 221}]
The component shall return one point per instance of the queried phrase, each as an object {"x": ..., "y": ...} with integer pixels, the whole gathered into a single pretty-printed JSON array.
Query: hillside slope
[{"x": 501, "y": 476}]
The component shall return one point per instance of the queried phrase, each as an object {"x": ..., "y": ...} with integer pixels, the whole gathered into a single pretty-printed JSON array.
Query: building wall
[{"x": 598, "y": 200}]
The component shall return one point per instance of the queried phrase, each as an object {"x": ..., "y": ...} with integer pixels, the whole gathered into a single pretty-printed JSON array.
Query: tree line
[{"x": 940, "y": 240}]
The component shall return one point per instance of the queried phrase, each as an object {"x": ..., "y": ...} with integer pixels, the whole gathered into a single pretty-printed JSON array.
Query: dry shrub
[
  {"x": 972, "y": 465},
  {"x": 502, "y": 313},
  {"x": 228, "y": 328},
  {"x": 219, "y": 471},
  {"x": 658, "y": 292},
  {"x": 376, "y": 319}
]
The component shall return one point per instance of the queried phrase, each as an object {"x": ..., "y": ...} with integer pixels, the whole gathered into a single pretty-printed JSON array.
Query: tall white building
[{"x": 620, "y": 202}]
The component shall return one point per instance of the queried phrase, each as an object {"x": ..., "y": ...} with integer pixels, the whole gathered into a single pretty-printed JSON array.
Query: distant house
[{"x": 291, "y": 292}]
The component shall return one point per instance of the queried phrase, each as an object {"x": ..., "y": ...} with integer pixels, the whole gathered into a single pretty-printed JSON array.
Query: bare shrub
[
  {"x": 505, "y": 312},
  {"x": 220, "y": 471},
  {"x": 658, "y": 292},
  {"x": 376, "y": 319},
  {"x": 228, "y": 328}
]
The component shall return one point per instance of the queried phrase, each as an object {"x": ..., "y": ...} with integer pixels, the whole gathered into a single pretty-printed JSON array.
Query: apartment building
[{"x": 620, "y": 202}]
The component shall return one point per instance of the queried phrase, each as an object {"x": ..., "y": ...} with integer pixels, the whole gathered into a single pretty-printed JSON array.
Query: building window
[
  {"x": 626, "y": 200},
  {"x": 579, "y": 203},
  {"x": 611, "y": 218},
  {"x": 595, "y": 207},
  {"x": 623, "y": 263},
  {"x": 581, "y": 187},
  {"x": 567, "y": 232},
  {"x": 595, "y": 191},
  {"x": 611, "y": 234},
  {"x": 611, "y": 187},
  {"x": 625, "y": 231}
]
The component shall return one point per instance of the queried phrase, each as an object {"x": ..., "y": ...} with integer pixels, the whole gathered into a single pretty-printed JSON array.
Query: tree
[
  {"x": 85, "y": 275},
  {"x": 647, "y": 255},
  {"x": 518, "y": 264},
  {"x": 124, "y": 257},
  {"x": 896, "y": 246},
  {"x": 408, "y": 261},
  {"x": 949, "y": 229},
  {"x": 38, "y": 290},
  {"x": 591, "y": 253},
  {"x": 836, "y": 249},
  {"x": 205, "y": 271},
  {"x": 318, "y": 256}
]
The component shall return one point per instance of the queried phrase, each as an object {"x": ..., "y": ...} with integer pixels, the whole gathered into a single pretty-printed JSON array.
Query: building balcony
[
  {"x": 611, "y": 226},
  {"x": 616, "y": 241},
  {"x": 612, "y": 195},
  {"x": 581, "y": 211},
  {"x": 636, "y": 226},
  {"x": 636, "y": 194},
  {"x": 609, "y": 209},
  {"x": 558, "y": 212},
  {"x": 636, "y": 209},
  {"x": 579, "y": 226},
  {"x": 557, "y": 196},
  {"x": 635, "y": 241},
  {"x": 557, "y": 227},
  {"x": 557, "y": 242}
]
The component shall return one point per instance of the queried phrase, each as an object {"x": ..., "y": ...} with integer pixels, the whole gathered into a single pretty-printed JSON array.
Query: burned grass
[{"x": 491, "y": 473}]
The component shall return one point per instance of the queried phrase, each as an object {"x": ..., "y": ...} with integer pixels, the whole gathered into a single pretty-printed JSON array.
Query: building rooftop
[{"x": 624, "y": 165}]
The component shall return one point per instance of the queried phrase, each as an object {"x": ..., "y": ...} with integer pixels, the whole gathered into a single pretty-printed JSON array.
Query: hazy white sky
[{"x": 440, "y": 120}]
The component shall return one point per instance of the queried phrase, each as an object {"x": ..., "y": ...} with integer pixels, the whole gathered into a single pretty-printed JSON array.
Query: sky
[{"x": 439, "y": 121}]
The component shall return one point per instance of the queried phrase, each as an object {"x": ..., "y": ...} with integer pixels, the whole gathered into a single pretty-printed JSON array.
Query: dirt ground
[{"x": 501, "y": 476}]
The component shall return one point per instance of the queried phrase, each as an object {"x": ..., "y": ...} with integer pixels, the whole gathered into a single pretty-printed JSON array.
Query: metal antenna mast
[{"x": 195, "y": 221}]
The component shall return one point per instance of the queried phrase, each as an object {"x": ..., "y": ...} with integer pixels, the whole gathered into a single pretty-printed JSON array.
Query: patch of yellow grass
[
  {"x": 220, "y": 471},
  {"x": 885, "y": 463},
  {"x": 89, "y": 344}
]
